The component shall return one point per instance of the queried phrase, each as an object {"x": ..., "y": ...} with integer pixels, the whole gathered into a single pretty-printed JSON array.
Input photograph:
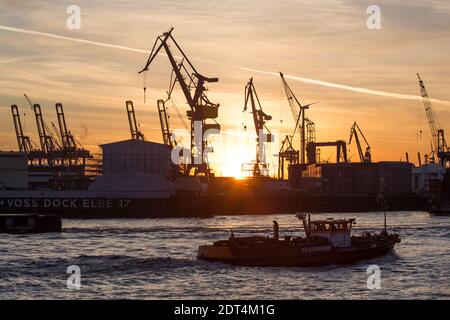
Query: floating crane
[
  {"x": 438, "y": 144},
  {"x": 355, "y": 131},
  {"x": 192, "y": 84},
  {"x": 136, "y": 134},
  {"x": 259, "y": 120}
]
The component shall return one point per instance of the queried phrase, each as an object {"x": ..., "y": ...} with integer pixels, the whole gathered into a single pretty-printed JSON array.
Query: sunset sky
[{"x": 324, "y": 40}]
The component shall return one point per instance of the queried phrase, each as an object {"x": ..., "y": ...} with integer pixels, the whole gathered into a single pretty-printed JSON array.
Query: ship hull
[
  {"x": 86, "y": 207},
  {"x": 289, "y": 256}
]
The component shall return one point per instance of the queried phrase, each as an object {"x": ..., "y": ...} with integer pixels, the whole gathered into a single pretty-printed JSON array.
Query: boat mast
[{"x": 306, "y": 224}]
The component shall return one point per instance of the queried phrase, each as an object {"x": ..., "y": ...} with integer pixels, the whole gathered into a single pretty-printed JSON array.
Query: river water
[{"x": 156, "y": 259}]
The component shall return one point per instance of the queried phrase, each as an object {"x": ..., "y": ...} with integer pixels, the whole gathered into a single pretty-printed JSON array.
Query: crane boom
[
  {"x": 28, "y": 100},
  {"x": 439, "y": 146},
  {"x": 24, "y": 142},
  {"x": 44, "y": 139},
  {"x": 164, "y": 122},
  {"x": 292, "y": 99},
  {"x": 136, "y": 134},
  {"x": 431, "y": 116},
  {"x": 67, "y": 139}
]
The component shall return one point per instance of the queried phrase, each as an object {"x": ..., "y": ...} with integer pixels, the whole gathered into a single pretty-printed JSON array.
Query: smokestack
[
  {"x": 407, "y": 157},
  {"x": 420, "y": 159}
]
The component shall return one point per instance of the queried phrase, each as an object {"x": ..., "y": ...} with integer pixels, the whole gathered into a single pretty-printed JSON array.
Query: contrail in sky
[{"x": 292, "y": 77}]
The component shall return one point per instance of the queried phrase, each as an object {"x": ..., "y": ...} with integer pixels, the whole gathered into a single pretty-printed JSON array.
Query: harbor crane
[
  {"x": 287, "y": 154},
  {"x": 259, "y": 119},
  {"x": 356, "y": 132},
  {"x": 167, "y": 135},
  {"x": 48, "y": 143},
  {"x": 72, "y": 153},
  {"x": 308, "y": 145},
  {"x": 24, "y": 142},
  {"x": 192, "y": 84},
  {"x": 306, "y": 126},
  {"x": 136, "y": 134},
  {"x": 439, "y": 146}
]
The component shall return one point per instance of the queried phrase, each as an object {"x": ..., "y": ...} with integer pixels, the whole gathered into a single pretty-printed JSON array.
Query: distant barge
[
  {"x": 29, "y": 223},
  {"x": 327, "y": 242}
]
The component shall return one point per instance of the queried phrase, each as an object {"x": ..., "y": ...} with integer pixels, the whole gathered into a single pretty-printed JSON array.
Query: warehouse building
[
  {"x": 134, "y": 167},
  {"x": 13, "y": 170},
  {"x": 427, "y": 178},
  {"x": 357, "y": 179}
]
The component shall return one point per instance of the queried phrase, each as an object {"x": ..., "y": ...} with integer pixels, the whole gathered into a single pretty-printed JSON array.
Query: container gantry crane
[
  {"x": 24, "y": 142},
  {"x": 355, "y": 132},
  {"x": 136, "y": 134},
  {"x": 48, "y": 143},
  {"x": 72, "y": 153},
  {"x": 168, "y": 139},
  {"x": 439, "y": 146},
  {"x": 259, "y": 119},
  {"x": 192, "y": 84}
]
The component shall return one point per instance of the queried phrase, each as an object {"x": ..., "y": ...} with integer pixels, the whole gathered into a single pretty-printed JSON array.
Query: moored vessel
[
  {"x": 29, "y": 223},
  {"x": 326, "y": 242}
]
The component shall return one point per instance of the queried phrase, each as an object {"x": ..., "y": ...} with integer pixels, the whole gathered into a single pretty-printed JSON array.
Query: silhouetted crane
[
  {"x": 259, "y": 120},
  {"x": 438, "y": 144},
  {"x": 164, "y": 122},
  {"x": 306, "y": 126},
  {"x": 24, "y": 142},
  {"x": 192, "y": 84},
  {"x": 287, "y": 154},
  {"x": 355, "y": 131},
  {"x": 136, "y": 134},
  {"x": 72, "y": 152}
]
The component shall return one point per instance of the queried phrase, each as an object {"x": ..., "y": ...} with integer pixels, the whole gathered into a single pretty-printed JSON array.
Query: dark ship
[{"x": 327, "y": 242}]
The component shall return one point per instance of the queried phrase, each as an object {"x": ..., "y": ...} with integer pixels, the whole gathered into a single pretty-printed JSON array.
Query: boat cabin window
[{"x": 330, "y": 226}]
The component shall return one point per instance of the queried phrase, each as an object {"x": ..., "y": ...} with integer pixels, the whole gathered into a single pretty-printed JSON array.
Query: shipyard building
[
  {"x": 13, "y": 170},
  {"x": 134, "y": 166},
  {"x": 355, "y": 179}
]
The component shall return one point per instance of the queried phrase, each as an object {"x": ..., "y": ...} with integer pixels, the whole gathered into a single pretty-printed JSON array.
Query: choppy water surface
[{"x": 156, "y": 259}]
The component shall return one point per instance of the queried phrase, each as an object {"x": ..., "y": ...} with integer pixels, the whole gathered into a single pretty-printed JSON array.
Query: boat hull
[{"x": 290, "y": 256}]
